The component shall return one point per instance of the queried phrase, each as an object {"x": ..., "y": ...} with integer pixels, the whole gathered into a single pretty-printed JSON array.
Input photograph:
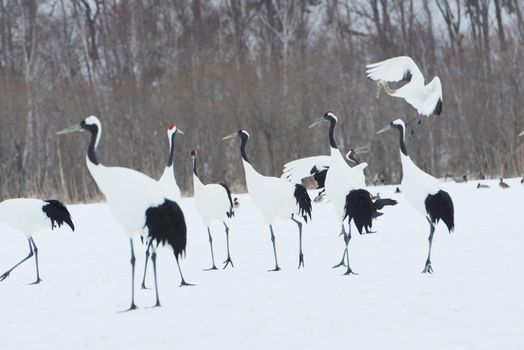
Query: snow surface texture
[{"x": 472, "y": 301}]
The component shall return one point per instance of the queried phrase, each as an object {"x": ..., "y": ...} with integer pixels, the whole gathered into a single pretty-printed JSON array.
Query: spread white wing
[
  {"x": 395, "y": 69},
  {"x": 296, "y": 170}
]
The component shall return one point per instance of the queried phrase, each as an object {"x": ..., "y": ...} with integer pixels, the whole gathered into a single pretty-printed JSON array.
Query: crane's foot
[
  {"x": 428, "y": 268},
  {"x": 4, "y": 276},
  {"x": 144, "y": 286},
  {"x": 185, "y": 284},
  {"x": 157, "y": 304},
  {"x": 341, "y": 263},
  {"x": 132, "y": 307},
  {"x": 300, "y": 260},
  {"x": 277, "y": 268},
  {"x": 211, "y": 268},
  {"x": 350, "y": 272},
  {"x": 227, "y": 262},
  {"x": 38, "y": 280}
]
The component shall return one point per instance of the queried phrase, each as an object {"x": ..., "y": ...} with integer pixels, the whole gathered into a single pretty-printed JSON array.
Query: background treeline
[{"x": 268, "y": 66}]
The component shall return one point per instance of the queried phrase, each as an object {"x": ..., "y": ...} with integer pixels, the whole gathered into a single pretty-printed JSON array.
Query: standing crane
[
  {"x": 275, "y": 197},
  {"x": 423, "y": 191},
  {"x": 137, "y": 202},
  {"x": 30, "y": 215},
  {"x": 213, "y": 202}
]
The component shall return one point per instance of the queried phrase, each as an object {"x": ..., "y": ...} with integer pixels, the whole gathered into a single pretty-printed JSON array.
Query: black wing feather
[
  {"x": 57, "y": 212},
  {"x": 166, "y": 223},
  {"x": 439, "y": 206},
  {"x": 303, "y": 201}
]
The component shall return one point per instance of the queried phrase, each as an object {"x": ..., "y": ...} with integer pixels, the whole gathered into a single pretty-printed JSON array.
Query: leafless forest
[{"x": 268, "y": 66}]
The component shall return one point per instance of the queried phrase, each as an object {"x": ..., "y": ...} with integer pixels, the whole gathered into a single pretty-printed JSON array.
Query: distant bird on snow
[
  {"x": 425, "y": 98},
  {"x": 138, "y": 203},
  {"x": 479, "y": 185},
  {"x": 32, "y": 215},
  {"x": 423, "y": 191},
  {"x": 502, "y": 184}
]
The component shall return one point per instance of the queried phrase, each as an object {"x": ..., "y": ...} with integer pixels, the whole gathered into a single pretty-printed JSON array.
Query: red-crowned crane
[
  {"x": 137, "y": 202},
  {"x": 423, "y": 191},
  {"x": 30, "y": 215},
  {"x": 213, "y": 202},
  {"x": 425, "y": 98},
  {"x": 275, "y": 197}
]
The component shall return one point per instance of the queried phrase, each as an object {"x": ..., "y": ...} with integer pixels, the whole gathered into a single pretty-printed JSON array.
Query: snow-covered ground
[{"x": 472, "y": 301}]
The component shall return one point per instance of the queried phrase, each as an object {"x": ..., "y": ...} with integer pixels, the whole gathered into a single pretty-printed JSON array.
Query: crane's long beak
[
  {"x": 384, "y": 129},
  {"x": 230, "y": 136},
  {"x": 74, "y": 128},
  {"x": 178, "y": 131},
  {"x": 316, "y": 123}
]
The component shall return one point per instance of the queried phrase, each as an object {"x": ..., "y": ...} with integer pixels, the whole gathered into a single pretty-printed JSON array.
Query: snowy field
[{"x": 472, "y": 301}]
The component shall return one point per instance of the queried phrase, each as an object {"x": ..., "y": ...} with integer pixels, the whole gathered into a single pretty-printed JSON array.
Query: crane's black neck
[
  {"x": 332, "y": 124},
  {"x": 91, "y": 149},
  {"x": 402, "y": 141},
  {"x": 194, "y": 166},
  {"x": 171, "y": 150},
  {"x": 244, "y": 139}
]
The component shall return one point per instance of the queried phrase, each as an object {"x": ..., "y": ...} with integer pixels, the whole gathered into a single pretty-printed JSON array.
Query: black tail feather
[
  {"x": 359, "y": 208},
  {"x": 57, "y": 212},
  {"x": 303, "y": 201},
  {"x": 439, "y": 206},
  {"x": 362, "y": 210},
  {"x": 166, "y": 223},
  {"x": 231, "y": 211}
]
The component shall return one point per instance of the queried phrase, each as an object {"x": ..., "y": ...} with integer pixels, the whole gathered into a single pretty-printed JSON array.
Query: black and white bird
[
  {"x": 479, "y": 186},
  {"x": 425, "y": 98},
  {"x": 29, "y": 216},
  {"x": 213, "y": 202},
  {"x": 423, "y": 191},
  {"x": 345, "y": 187},
  {"x": 138, "y": 203},
  {"x": 168, "y": 181},
  {"x": 275, "y": 197}
]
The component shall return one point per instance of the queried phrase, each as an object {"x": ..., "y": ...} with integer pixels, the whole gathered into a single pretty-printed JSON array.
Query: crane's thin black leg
[
  {"x": 300, "y": 254},
  {"x": 343, "y": 262},
  {"x": 228, "y": 260},
  {"x": 349, "y": 271},
  {"x": 145, "y": 265},
  {"x": 35, "y": 248},
  {"x": 133, "y": 259},
  {"x": 153, "y": 260},
  {"x": 428, "y": 267},
  {"x": 212, "y": 254},
  {"x": 183, "y": 283},
  {"x": 6, "y": 274},
  {"x": 277, "y": 268}
]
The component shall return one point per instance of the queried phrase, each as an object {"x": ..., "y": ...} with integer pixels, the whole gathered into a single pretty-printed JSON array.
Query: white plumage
[
  {"x": 29, "y": 216},
  {"x": 138, "y": 203},
  {"x": 425, "y": 98},
  {"x": 275, "y": 197},
  {"x": 423, "y": 191},
  {"x": 213, "y": 202},
  {"x": 168, "y": 181}
]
